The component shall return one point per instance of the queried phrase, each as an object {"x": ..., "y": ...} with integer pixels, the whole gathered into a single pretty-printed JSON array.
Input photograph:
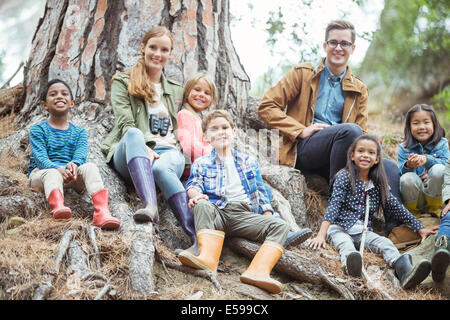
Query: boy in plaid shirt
[{"x": 227, "y": 196}]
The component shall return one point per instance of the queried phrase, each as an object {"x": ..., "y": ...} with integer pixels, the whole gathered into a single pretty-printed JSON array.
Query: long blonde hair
[
  {"x": 140, "y": 86},
  {"x": 190, "y": 83}
]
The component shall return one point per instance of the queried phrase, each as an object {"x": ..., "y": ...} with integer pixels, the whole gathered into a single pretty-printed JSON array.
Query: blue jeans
[
  {"x": 444, "y": 227},
  {"x": 167, "y": 170}
]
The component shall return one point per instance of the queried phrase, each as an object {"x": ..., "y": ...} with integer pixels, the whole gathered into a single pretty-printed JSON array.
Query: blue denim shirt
[
  {"x": 207, "y": 176},
  {"x": 330, "y": 98},
  {"x": 436, "y": 154}
]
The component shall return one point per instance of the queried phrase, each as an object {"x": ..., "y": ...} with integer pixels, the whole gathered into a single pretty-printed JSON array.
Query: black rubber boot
[
  {"x": 408, "y": 275},
  {"x": 353, "y": 265},
  {"x": 441, "y": 259}
]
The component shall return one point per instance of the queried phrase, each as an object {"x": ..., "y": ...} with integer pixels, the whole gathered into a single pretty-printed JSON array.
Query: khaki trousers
[
  {"x": 413, "y": 189},
  {"x": 238, "y": 220},
  {"x": 47, "y": 180}
]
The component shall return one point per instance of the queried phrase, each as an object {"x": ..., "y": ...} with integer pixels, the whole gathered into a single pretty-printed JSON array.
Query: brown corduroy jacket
[{"x": 289, "y": 105}]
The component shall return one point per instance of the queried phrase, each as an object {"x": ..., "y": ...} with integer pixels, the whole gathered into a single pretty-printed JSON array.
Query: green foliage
[
  {"x": 268, "y": 79},
  {"x": 412, "y": 46},
  {"x": 288, "y": 43},
  {"x": 276, "y": 26},
  {"x": 441, "y": 103}
]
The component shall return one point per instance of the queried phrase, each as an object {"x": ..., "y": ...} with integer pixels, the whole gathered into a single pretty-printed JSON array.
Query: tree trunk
[{"x": 86, "y": 42}]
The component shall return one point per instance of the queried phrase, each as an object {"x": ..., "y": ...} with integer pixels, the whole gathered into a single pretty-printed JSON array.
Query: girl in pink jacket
[{"x": 199, "y": 94}]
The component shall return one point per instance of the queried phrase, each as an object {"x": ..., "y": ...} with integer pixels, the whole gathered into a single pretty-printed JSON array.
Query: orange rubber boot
[
  {"x": 102, "y": 216},
  {"x": 258, "y": 273},
  {"x": 56, "y": 202},
  {"x": 210, "y": 243}
]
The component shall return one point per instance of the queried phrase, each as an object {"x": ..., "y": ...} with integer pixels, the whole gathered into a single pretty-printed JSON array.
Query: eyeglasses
[{"x": 344, "y": 44}]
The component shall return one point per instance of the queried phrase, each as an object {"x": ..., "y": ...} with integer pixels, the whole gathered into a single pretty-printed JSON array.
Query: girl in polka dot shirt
[{"x": 343, "y": 222}]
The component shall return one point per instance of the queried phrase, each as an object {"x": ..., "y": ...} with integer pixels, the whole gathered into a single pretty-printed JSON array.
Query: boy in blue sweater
[{"x": 59, "y": 150}]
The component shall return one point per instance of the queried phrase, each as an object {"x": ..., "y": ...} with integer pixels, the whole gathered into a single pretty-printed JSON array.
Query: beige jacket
[{"x": 289, "y": 105}]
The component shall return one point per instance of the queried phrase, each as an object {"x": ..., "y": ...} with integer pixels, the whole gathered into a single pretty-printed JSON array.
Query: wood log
[
  {"x": 11, "y": 99},
  {"x": 142, "y": 250}
]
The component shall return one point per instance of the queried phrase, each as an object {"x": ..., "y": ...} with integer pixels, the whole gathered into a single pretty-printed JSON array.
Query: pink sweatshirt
[{"x": 191, "y": 136}]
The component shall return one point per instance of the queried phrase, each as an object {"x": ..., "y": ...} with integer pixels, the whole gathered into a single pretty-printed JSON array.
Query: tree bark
[{"x": 86, "y": 42}]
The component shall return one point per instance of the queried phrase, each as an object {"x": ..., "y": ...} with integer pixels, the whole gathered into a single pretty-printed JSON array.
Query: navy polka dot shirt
[{"x": 345, "y": 208}]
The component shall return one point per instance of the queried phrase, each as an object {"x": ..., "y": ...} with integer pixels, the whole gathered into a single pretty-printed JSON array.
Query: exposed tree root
[
  {"x": 304, "y": 293},
  {"x": 373, "y": 286},
  {"x": 77, "y": 265},
  {"x": 45, "y": 288},
  {"x": 206, "y": 274}
]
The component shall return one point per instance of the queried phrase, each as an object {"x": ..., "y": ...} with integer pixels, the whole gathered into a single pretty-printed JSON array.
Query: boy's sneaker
[{"x": 296, "y": 238}]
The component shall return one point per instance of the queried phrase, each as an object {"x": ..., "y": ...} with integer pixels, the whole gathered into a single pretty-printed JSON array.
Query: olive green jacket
[
  {"x": 132, "y": 112},
  {"x": 446, "y": 185}
]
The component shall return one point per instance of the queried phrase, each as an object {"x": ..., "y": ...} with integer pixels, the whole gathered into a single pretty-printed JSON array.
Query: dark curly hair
[{"x": 49, "y": 84}]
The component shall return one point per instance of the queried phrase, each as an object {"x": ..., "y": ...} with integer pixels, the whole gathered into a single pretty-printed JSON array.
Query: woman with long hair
[{"x": 142, "y": 147}]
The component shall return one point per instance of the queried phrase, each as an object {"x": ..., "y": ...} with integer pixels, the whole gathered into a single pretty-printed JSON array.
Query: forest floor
[{"x": 27, "y": 253}]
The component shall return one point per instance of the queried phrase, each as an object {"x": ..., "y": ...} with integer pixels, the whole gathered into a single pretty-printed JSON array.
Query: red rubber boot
[
  {"x": 102, "y": 216},
  {"x": 56, "y": 202}
]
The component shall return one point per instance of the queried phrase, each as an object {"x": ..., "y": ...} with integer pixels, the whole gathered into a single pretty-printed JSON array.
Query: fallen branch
[
  {"x": 199, "y": 273},
  {"x": 44, "y": 289},
  {"x": 304, "y": 293},
  {"x": 92, "y": 238}
]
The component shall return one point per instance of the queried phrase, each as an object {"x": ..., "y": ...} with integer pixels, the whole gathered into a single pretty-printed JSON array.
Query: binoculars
[{"x": 159, "y": 125}]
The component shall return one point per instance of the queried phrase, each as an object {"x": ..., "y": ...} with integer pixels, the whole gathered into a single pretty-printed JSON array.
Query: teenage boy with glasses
[{"x": 320, "y": 110}]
